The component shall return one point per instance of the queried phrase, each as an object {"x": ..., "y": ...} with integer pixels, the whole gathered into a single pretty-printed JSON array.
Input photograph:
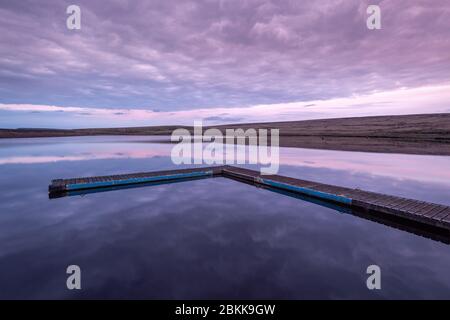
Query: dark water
[{"x": 211, "y": 238}]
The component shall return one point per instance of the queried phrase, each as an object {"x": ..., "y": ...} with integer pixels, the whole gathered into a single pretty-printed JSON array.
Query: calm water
[{"x": 211, "y": 238}]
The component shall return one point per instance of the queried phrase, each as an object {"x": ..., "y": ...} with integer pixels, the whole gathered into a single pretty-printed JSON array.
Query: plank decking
[
  {"x": 430, "y": 214},
  {"x": 64, "y": 185}
]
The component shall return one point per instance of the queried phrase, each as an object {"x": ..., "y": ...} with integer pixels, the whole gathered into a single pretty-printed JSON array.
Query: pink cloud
[{"x": 429, "y": 99}]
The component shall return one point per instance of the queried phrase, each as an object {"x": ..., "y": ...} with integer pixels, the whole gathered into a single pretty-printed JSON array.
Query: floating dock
[
  {"x": 61, "y": 186},
  {"x": 425, "y": 213}
]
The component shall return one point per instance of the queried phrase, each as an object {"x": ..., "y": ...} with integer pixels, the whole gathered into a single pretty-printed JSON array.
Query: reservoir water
[{"x": 210, "y": 238}]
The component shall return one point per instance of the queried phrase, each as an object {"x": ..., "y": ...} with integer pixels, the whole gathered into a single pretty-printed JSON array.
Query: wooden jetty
[
  {"x": 425, "y": 213},
  {"x": 65, "y": 185}
]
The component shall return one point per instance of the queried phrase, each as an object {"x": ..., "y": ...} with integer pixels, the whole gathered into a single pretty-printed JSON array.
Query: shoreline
[{"x": 425, "y": 134}]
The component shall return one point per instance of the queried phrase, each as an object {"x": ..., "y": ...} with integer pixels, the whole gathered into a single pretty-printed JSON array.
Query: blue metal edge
[
  {"x": 307, "y": 191},
  {"x": 79, "y": 186}
]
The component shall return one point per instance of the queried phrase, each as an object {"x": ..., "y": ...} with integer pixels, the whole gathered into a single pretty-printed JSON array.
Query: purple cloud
[{"x": 182, "y": 55}]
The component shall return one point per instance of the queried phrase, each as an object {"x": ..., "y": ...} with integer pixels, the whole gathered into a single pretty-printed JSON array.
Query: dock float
[
  {"x": 66, "y": 185},
  {"x": 421, "y": 212}
]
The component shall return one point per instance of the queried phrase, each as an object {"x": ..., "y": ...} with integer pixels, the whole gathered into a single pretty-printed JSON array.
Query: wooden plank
[
  {"x": 425, "y": 206},
  {"x": 362, "y": 196},
  {"x": 411, "y": 204},
  {"x": 422, "y": 208},
  {"x": 396, "y": 202},
  {"x": 413, "y": 207},
  {"x": 446, "y": 219},
  {"x": 375, "y": 198},
  {"x": 385, "y": 200},
  {"x": 432, "y": 210},
  {"x": 404, "y": 204},
  {"x": 442, "y": 214}
]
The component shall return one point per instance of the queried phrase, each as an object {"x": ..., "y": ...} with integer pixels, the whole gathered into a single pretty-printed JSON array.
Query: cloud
[
  {"x": 221, "y": 119},
  {"x": 183, "y": 55},
  {"x": 431, "y": 99}
]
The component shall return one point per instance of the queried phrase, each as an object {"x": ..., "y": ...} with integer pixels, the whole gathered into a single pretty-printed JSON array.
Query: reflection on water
[
  {"x": 424, "y": 178},
  {"x": 213, "y": 238},
  {"x": 433, "y": 169},
  {"x": 431, "y": 232}
]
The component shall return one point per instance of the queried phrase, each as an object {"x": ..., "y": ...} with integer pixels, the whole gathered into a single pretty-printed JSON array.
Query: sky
[{"x": 144, "y": 62}]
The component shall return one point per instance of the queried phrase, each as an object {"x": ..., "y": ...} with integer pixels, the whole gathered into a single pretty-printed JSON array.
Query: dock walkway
[{"x": 426, "y": 213}]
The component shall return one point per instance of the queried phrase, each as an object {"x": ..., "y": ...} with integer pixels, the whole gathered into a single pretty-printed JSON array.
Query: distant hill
[
  {"x": 422, "y": 126},
  {"x": 422, "y": 133}
]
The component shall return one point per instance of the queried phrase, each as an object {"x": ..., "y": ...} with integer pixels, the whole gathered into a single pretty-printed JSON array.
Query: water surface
[{"x": 210, "y": 238}]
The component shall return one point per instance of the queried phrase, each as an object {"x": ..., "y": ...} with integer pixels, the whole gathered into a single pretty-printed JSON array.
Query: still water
[{"x": 210, "y": 238}]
